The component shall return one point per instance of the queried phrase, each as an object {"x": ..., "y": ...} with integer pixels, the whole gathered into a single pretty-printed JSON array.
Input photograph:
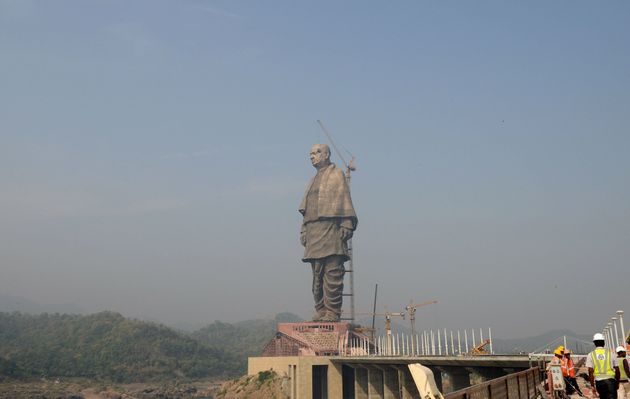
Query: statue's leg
[
  {"x": 333, "y": 287},
  {"x": 318, "y": 289}
]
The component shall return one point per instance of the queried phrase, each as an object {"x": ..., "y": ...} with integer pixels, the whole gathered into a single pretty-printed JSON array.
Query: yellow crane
[{"x": 480, "y": 349}]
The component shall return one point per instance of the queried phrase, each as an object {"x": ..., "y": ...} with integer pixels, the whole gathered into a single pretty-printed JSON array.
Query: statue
[{"x": 329, "y": 222}]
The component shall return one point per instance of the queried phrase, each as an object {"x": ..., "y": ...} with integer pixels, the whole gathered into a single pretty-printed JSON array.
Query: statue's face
[{"x": 319, "y": 155}]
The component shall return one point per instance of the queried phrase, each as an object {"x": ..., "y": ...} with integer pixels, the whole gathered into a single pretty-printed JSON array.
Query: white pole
[
  {"x": 402, "y": 335},
  {"x": 422, "y": 345},
  {"x": 432, "y": 343},
  {"x": 490, "y": 335},
  {"x": 623, "y": 332},
  {"x": 480, "y": 336},
  {"x": 611, "y": 336},
  {"x": 564, "y": 341},
  {"x": 452, "y": 344},
  {"x": 445, "y": 343},
  {"x": 417, "y": 346},
  {"x": 473, "y": 338},
  {"x": 459, "y": 343},
  {"x": 466, "y": 339},
  {"x": 439, "y": 342},
  {"x": 614, "y": 320}
]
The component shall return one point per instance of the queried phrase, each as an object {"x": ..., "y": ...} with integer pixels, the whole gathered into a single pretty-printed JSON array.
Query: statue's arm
[{"x": 347, "y": 227}]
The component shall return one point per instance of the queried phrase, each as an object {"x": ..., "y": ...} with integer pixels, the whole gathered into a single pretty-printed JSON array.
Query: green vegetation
[
  {"x": 266, "y": 376},
  {"x": 242, "y": 339},
  {"x": 104, "y": 346}
]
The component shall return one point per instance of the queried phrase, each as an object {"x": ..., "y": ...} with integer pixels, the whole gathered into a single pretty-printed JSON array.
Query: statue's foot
[
  {"x": 330, "y": 317},
  {"x": 319, "y": 315}
]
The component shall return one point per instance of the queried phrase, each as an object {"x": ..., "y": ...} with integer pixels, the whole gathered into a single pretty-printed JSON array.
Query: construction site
[{"x": 340, "y": 360}]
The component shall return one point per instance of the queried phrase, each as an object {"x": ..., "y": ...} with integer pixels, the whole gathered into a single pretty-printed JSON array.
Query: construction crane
[
  {"x": 388, "y": 318},
  {"x": 350, "y": 269},
  {"x": 411, "y": 309},
  {"x": 480, "y": 349}
]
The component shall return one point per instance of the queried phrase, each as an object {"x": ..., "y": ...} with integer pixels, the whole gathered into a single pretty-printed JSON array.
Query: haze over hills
[{"x": 12, "y": 303}]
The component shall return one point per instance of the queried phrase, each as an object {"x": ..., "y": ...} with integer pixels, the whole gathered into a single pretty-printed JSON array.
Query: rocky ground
[
  {"x": 82, "y": 389},
  {"x": 265, "y": 385}
]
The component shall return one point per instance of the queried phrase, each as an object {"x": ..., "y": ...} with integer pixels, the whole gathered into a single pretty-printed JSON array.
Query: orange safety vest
[{"x": 567, "y": 368}]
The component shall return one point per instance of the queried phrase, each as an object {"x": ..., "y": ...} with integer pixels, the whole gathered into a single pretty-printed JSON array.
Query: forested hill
[
  {"x": 245, "y": 338},
  {"x": 104, "y": 345}
]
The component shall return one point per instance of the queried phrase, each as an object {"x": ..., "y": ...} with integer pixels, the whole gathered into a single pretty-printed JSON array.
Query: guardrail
[{"x": 521, "y": 385}]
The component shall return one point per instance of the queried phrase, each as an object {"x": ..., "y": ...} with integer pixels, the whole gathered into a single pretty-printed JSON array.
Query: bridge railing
[
  {"x": 521, "y": 385},
  {"x": 427, "y": 343}
]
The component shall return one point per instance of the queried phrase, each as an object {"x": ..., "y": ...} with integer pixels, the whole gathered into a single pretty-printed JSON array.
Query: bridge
[
  {"x": 322, "y": 360},
  {"x": 450, "y": 372}
]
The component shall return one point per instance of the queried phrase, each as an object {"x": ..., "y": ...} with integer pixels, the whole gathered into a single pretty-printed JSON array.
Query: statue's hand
[{"x": 346, "y": 234}]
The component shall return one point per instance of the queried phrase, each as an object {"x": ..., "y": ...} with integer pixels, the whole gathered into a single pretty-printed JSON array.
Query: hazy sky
[{"x": 154, "y": 153}]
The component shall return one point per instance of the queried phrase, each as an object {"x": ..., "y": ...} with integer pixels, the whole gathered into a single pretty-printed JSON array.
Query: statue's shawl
[{"x": 334, "y": 195}]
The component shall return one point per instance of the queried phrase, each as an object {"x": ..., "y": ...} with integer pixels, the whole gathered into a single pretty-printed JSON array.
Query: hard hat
[
  {"x": 567, "y": 352},
  {"x": 559, "y": 350},
  {"x": 598, "y": 337},
  {"x": 620, "y": 349}
]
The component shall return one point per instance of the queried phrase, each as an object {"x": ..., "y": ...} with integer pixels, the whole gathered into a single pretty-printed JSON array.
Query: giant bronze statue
[{"x": 329, "y": 222}]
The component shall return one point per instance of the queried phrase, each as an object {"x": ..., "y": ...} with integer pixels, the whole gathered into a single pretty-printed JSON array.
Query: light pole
[
  {"x": 610, "y": 337},
  {"x": 623, "y": 332},
  {"x": 614, "y": 321}
]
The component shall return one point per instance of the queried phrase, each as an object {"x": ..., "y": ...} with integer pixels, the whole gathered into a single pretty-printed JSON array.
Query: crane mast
[{"x": 411, "y": 309}]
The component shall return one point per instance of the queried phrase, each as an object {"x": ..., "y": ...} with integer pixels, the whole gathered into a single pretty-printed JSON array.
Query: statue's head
[{"x": 320, "y": 155}]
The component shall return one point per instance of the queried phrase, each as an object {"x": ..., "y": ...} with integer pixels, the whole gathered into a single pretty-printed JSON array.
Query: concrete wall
[
  {"x": 373, "y": 377},
  {"x": 299, "y": 369}
]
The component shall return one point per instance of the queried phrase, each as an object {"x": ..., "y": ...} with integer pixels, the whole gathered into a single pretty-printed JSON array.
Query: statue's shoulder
[{"x": 334, "y": 170}]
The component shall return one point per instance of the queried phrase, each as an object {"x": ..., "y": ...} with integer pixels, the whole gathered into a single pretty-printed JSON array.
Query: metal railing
[
  {"x": 427, "y": 343},
  {"x": 521, "y": 385}
]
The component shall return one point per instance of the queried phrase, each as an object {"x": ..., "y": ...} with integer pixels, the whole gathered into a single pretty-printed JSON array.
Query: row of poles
[
  {"x": 427, "y": 343},
  {"x": 614, "y": 336}
]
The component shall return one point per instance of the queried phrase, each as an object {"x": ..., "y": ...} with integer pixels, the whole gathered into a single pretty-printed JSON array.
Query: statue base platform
[{"x": 311, "y": 339}]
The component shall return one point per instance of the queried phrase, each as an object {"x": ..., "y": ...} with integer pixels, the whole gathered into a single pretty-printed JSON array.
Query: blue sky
[{"x": 154, "y": 154}]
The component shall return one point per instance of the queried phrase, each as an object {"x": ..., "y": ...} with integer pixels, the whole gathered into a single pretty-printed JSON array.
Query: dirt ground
[{"x": 85, "y": 389}]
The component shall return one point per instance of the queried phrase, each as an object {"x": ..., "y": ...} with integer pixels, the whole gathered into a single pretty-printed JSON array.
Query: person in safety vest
[
  {"x": 568, "y": 372},
  {"x": 555, "y": 360},
  {"x": 624, "y": 386},
  {"x": 603, "y": 370},
  {"x": 557, "y": 356}
]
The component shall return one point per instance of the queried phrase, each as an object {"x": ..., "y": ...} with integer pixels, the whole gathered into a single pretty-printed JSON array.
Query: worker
[
  {"x": 558, "y": 353},
  {"x": 568, "y": 372},
  {"x": 603, "y": 370},
  {"x": 555, "y": 360},
  {"x": 624, "y": 386}
]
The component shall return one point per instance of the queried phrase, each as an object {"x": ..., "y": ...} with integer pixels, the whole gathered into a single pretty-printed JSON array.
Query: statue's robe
[{"x": 327, "y": 206}]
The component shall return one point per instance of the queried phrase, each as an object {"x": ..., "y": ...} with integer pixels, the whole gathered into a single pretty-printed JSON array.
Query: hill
[
  {"x": 549, "y": 340},
  {"x": 104, "y": 346},
  {"x": 242, "y": 339}
]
